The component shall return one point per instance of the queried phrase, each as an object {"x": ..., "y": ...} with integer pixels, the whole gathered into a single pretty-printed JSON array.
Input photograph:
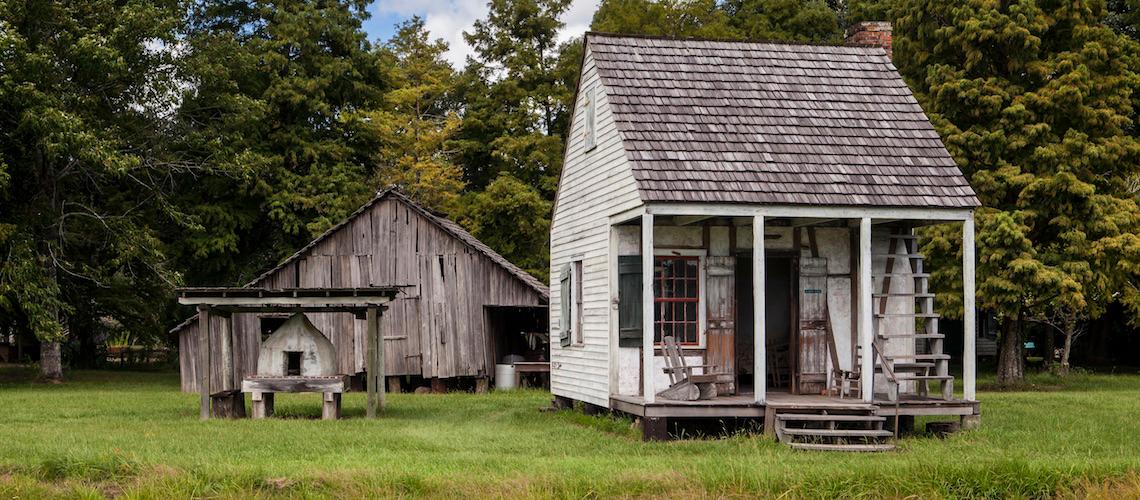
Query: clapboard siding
[
  {"x": 435, "y": 328},
  {"x": 595, "y": 184}
]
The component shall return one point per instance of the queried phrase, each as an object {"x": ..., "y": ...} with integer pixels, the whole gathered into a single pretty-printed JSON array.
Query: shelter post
[
  {"x": 204, "y": 362},
  {"x": 375, "y": 361}
]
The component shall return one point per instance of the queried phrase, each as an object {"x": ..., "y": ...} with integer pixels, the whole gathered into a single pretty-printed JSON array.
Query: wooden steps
[
  {"x": 852, "y": 431},
  {"x": 821, "y": 417},
  {"x": 873, "y": 447},
  {"x": 839, "y": 432}
]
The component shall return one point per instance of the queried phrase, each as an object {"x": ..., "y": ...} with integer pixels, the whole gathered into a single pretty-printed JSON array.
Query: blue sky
[{"x": 447, "y": 19}]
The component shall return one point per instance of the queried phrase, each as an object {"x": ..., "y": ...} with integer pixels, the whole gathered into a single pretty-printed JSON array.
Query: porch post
[
  {"x": 649, "y": 392},
  {"x": 969, "y": 322},
  {"x": 866, "y": 326},
  {"x": 759, "y": 343}
]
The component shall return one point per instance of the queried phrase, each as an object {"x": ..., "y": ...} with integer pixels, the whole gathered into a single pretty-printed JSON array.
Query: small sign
[{"x": 812, "y": 290}]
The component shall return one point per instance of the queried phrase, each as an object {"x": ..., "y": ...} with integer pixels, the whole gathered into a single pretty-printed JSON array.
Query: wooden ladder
[
  {"x": 928, "y": 363},
  {"x": 854, "y": 430}
]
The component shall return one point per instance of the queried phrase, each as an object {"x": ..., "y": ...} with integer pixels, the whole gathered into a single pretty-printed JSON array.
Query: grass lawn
[{"x": 115, "y": 433}]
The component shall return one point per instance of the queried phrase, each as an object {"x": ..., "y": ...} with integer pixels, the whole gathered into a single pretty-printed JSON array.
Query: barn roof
[
  {"x": 444, "y": 223},
  {"x": 773, "y": 123},
  {"x": 447, "y": 225}
]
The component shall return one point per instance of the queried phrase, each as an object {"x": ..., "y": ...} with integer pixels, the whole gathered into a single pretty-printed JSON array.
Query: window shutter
[
  {"x": 629, "y": 301},
  {"x": 564, "y": 313}
]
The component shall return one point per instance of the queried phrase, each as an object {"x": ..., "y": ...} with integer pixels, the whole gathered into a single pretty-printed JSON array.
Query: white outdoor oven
[{"x": 297, "y": 357}]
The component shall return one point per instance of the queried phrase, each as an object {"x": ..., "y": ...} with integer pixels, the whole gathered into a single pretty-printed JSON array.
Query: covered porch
[{"x": 843, "y": 294}]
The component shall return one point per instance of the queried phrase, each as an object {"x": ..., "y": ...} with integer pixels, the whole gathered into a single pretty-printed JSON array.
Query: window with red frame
[{"x": 676, "y": 299}]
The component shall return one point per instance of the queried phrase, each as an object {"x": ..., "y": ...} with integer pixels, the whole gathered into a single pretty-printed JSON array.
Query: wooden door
[
  {"x": 812, "y": 347},
  {"x": 721, "y": 317}
]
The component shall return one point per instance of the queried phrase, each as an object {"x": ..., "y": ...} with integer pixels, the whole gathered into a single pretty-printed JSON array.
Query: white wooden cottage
[{"x": 802, "y": 167}]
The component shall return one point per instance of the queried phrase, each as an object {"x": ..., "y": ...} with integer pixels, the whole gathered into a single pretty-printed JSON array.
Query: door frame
[{"x": 793, "y": 258}]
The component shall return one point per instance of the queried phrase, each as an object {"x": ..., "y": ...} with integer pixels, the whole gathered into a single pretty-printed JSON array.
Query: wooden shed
[
  {"x": 462, "y": 306},
  {"x": 748, "y": 210}
]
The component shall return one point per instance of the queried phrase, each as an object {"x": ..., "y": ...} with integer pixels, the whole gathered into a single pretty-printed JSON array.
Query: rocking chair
[{"x": 685, "y": 385}]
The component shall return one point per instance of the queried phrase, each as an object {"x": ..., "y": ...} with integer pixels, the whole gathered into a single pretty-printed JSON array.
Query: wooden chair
[{"x": 684, "y": 384}]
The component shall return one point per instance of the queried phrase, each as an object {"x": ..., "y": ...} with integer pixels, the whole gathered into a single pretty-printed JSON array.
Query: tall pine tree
[
  {"x": 1036, "y": 101},
  {"x": 418, "y": 119}
]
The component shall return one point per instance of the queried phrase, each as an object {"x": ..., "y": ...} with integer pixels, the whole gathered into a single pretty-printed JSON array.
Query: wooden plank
[{"x": 295, "y": 384}]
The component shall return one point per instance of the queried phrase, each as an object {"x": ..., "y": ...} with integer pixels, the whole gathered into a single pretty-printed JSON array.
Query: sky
[{"x": 448, "y": 19}]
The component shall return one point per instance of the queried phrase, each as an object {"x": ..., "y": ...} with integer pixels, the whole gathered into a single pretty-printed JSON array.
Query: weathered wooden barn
[
  {"x": 776, "y": 188},
  {"x": 462, "y": 307}
]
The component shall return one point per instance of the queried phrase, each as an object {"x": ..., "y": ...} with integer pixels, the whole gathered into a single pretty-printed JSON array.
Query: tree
[
  {"x": 791, "y": 20},
  {"x": 514, "y": 100},
  {"x": 1036, "y": 102},
  {"x": 271, "y": 110},
  {"x": 417, "y": 120},
  {"x": 504, "y": 217},
  {"x": 84, "y": 173},
  {"x": 676, "y": 18}
]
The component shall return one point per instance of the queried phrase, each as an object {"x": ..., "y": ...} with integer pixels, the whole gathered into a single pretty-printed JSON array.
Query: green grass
[{"x": 134, "y": 434}]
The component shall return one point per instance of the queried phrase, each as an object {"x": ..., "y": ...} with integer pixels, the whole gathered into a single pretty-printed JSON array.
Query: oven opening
[{"x": 292, "y": 363}]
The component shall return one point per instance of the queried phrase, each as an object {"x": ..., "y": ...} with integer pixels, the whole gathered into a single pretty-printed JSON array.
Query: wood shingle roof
[{"x": 771, "y": 123}]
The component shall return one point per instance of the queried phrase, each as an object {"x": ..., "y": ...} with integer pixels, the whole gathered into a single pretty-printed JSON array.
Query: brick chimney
[{"x": 871, "y": 34}]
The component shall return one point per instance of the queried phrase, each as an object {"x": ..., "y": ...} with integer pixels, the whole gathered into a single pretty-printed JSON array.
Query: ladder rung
[
  {"x": 904, "y": 255},
  {"x": 901, "y": 294},
  {"x": 913, "y": 336},
  {"x": 911, "y": 315},
  {"x": 925, "y": 377},
  {"x": 902, "y": 275},
  {"x": 935, "y": 357}
]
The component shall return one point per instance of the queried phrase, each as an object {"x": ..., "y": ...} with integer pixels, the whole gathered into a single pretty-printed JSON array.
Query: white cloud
[{"x": 448, "y": 19}]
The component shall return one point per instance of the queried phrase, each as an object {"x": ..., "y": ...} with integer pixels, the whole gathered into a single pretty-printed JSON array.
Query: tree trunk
[
  {"x": 1050, "y": 346},
  {"x": 51, "y": 361},
  {"x": 1065, "y": 353},
  {"x": 1070, "y": 330},
  {"x": 1011, "y": 364}
]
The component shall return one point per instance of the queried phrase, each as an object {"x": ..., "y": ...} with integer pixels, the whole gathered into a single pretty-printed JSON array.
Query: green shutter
[
  {"x": 629, "y": 301},
  {"x": 567, "y": 295}
]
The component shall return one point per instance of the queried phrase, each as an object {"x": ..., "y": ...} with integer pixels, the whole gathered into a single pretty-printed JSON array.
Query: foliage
[
  {"x": 516, "y": 105},
  {"x": 134, "y": 434},
  {"x": 83, "y": 166},
  {"x": 1036, "y": 102},
  {"x": 677, "y": 18},
  {"x": 791, "y": 20},
  {"x": 503, "y": 217},
  {"x": 417, "y": 120},
  {"x": 270, "y": 112}
]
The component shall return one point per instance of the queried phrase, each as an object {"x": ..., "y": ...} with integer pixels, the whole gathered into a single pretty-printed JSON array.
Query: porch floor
[{"x": 744, "y": 405}]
